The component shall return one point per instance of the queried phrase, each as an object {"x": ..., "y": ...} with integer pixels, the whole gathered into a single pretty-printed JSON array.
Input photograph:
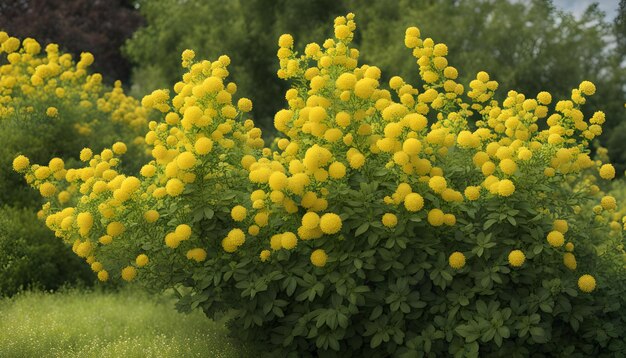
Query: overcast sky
[{"x": 578, "y": 6}]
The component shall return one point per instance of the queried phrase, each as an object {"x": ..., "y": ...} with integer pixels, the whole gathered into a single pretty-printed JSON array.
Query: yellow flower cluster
[{"x": 51, "y": 83}]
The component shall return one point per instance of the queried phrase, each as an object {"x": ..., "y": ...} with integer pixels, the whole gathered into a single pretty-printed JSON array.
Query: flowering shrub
[
  {"x": 51, "y": 105},
  {"x": 406, "y": 221}
]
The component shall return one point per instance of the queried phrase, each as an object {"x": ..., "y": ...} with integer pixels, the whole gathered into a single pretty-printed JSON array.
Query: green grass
[{"x": 96, "y": 324}]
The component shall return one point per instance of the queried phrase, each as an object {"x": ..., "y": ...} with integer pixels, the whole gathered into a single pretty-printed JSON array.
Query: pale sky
[{"x": 578, "y": 6}]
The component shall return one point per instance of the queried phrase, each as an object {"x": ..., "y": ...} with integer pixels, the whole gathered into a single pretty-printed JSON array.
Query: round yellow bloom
[
  {"x": 119, "y": 148},
  {"x": 52, "y": 112},
  {"x": 288, "y": 240},
  {"x": 508, "y": 166},
  {"x": 151, "y": 216},
  {"x": 456, "y": 260},
  {"x": 142, "y": 260},
  {"x": 174, "y": 187},
  {"x": 330, "y": 223},
  {"x": 560, "y": 226},
  {"x": 319, "y": 258},
  {"x": 587, "y": 88},
  {"x": 337, "y": 170},
  {"x": 413, "y": 202},
  {"x": 436, "y": 217},
  {"x": 390, "y": 220},
  {"x": 129, "y": 273},
  {"x": 186, "y": 160},
  {"x": 96, "y": 266},
  {"x": 556, "y": 239},
  {"x": 238, "y": 213},
  {"x": 310, "y": 220},
  {"x": 608, "y": 203},
  {"x": 569, "y": 260},
  {"x": 20, "y": 163},
  {"x": 277, "y": 181},
  {"x": 516, "y": 258},
  {"x": 265, "y": 255},
  {"x": 203, "y": 145},
  {"x": 103, "y": 275},
  {"x": 285, "y": 40},
  {"x": 196, "y": 254},
  {"x": 244, "y": 105},
  {"x": 47, "y": 190},
  {"x": 506, "y": 187},
  {"x": 437, "y": 184},
  {"x": 587, "y": 283},
  {"x": 115, "y": 228},
  {"x": 607, "y": 171},
  {"x": 472, "y": 192}
]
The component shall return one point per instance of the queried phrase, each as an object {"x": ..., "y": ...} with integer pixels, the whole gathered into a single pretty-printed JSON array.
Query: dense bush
[
  {"x": 381, "y": 222},
  {"x": 32, "y": 257},
  {"x": 52, "y": 106}
]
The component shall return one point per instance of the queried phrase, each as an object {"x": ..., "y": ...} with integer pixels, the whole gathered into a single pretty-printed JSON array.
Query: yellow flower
[
  {"x": 115, "y": 228},
  {"x": 456, "y": 260},
  {"x": 390, "y": 220},
  {"x": 203, "y": 145},
  {"x": 285, "y": 40},
  {"x": 129, "y": 273},
  {"x": 86, "y": 154},
  {"x": 238, "y": 213},
  {"x": 436, "y": 217},
  {"x": 555, "y": 239},
  {"x": 587, "y": 283},
  {"x": 103, "y": 275},
  {"x": 607, "y": 171},
  {"x": 330, "y": 223},
  {"x": 52, "y": 112},
  {"x": 413, "y": 202},
  {"x": 47, "y": 190},
  {"x": 196, "y": 254},
  {"x": 506, "y": 187},
  {"x": 608, "y": 203},
  {"x": 508, "y": 166},
  {"x": 174, "y": 187},
  {"x": 319, "y": 258},
  {"x": 151, "y": 216},
  {"x": 244, "y": 105},
  {"x": 288, "y": 240},
  {"x": 186, "y": 160},
  {"x": 337, "y": 170},
  {"x": 472, "y": 192},
  {"x": 310, "y": 220},
  {"x": 119, "y": 148},
  {"x": 516, "y": 258},
  {"x": 20, "y": 163},
  {"x": 569, "y": 260},
  {"x": 437, "y": 184},
  {"x": 265, "y": 255},
  {"x": 560, "y": 226},
  {"x": 142, "y": 260},
  {"x": 587, "y": 88}
]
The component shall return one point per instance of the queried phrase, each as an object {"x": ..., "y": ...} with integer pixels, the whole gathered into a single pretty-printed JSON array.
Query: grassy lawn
[{"x": 96, "y": 324}]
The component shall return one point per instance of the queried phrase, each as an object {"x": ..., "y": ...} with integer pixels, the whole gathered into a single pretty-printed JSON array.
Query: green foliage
[
  {"x": 30, "y": 256},
  {"x": 96, "y": 324}
]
